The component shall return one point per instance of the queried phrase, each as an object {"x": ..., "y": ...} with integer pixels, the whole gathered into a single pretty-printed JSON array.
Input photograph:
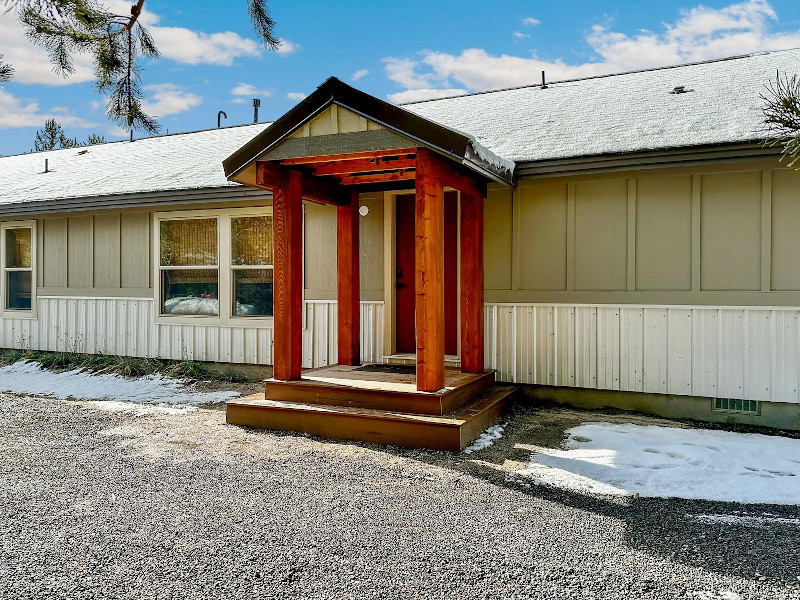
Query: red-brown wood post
[
  {"x": 429, "y": 274},
  {"x": 348, "y": 289},
  {"x": 287, "y": 239},
  {"x": 472, "y": 360}
]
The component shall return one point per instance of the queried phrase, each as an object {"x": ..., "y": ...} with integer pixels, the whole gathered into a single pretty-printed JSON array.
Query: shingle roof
[
  {"x": 611, "y": 114},
  {"x": 615, "y": 114},
  {"x": 168, "y": 162}
]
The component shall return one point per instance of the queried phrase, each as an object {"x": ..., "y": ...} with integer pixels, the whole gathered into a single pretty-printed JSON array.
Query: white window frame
[
  {"x": 16, "y": 312},
  {"x": 224, "y": 268}
]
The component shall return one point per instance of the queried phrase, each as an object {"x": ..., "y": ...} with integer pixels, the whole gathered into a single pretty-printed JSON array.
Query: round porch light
[{"x": 363, "y": 210}]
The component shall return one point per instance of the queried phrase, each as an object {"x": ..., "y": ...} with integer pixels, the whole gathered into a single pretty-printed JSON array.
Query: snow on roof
[
  {"x": 168, "y": 162},
  {"x": 614, "y": 114}
]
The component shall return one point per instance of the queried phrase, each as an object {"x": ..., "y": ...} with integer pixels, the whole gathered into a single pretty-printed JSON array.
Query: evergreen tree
[
  {"x": 52, "y": 137},
  {"x": 116, "y": 44},
  {"x": 95, "y": 139},
  {"x": 5, "y": 70},
  {"x": 782, "y": 116}
]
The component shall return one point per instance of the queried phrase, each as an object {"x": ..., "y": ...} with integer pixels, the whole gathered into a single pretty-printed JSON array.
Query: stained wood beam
[
  {"x": 379, "y": 177},
  {"x": 287, "y": 235},
  {"x": 472, "y": 348},
  {"x": 453, "y": 175},
  {"x": 429, "y": 247},
  {"x": 305, "y": 160},
  {"x": 348, "y": 288},
  {"x": 269, "y": 176},
  {"x": 347, "y": 167}
]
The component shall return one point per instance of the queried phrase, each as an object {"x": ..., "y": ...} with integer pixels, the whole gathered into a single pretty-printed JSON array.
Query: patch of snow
[
  {"x": 486, "y": 439},
  {"x": 139, "y": 409},
  {"x": 669, "y": 462},
  {"x": 744, "y": 520},
  {"x": 26, "y": 377}
]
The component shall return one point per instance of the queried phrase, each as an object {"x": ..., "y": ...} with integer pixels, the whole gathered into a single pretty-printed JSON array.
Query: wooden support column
[
  {"x": 429, "y": 273},
  {"x": 472, "y": 283},
  {"x": 287, "y": 235},
  {"x": 348, "y": 289}
]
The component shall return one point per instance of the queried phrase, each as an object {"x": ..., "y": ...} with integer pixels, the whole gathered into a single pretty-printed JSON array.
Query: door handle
[{"x": 400, "y": 286}]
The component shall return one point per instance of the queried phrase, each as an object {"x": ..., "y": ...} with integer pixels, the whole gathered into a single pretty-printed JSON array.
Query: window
[
  {"x": 215, "y": 264},
  {"x": 189, "y": 267},
  {"x": 251, "y": 266},
  {"x": 18, "y": 262}
]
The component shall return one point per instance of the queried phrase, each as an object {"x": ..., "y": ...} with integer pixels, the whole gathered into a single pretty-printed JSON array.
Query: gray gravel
[{"x": 100, "y": 504}]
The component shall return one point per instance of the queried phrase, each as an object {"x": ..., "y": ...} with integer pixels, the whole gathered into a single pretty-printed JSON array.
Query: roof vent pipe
[
  {"x": 220, "y": 114},
  {"x": 544, "y": 83},
  {"x": 256, "y": 104},
  {"x": 46, "y": 170}
]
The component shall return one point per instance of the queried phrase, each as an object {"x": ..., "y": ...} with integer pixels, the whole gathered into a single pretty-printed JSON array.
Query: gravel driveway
[{"x": 103, "y": 504}]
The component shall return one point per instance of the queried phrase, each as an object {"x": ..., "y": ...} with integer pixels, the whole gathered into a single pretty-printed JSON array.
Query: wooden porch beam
[
  {"x": 429, "y": 250},
  {"x": 287, "y": 235},
  {"x": 305, "y": 160},
  {"x": 348, "y": 288},
  {"x": 472, "y": 349},
  {"x": 269, "y": 175},
  {"x": 454, "y": 176},
  {"x": 379, "y": 177},
  {"x": 347, "y": 167}
]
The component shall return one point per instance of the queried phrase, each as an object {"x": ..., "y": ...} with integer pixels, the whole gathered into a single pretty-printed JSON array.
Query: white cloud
[
  {"x": 21, "y": 112},
  {"x": 519, "y": 36},
  {"x": 238, "y": 101},
  {"x": 246, "y": 89},
  {"x": 286, "y": 47},
  {"x": 31, "y": 63},
  {"x": 295, "y": 95},
  {"x": 195, "y": 47},
  {"x": 168, "y": 99},
  {"x": 119, "y": 132},
  {"x": 415, "y": 95},
  {"x": 699, "y": 33},
  {"x": 359, "y": 74},
  {"x": 530, "y": 22}
]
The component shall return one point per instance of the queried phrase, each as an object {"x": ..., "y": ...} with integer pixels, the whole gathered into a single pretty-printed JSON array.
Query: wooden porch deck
[{"x": 377, "y": 403}]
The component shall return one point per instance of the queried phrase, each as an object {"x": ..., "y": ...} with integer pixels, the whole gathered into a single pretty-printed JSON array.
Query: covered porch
[{"x": 305, "y": 155}]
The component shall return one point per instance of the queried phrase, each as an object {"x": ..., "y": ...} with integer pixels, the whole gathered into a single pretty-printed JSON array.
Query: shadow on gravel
[{"x": 752, "y": 547}]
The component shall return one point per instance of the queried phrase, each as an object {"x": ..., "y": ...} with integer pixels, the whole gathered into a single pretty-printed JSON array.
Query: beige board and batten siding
[
  {"x": 103, "y": 254},
  {"x": 682, "y": 281}
]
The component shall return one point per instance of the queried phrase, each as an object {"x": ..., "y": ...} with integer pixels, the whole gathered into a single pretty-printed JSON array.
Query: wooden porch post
[
  {"x": 429, "y": 273},
  {"x": 472, "y": 360},
  {"x": 348, "y": 289},
  {"x": 287, "y": 235}
]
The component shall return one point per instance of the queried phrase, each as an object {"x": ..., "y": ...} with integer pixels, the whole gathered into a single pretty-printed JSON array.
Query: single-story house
[{"x": 637, "y": 241}]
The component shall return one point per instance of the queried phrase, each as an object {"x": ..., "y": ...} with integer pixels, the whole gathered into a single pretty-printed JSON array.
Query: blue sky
[{"x": 400, "y": 52}]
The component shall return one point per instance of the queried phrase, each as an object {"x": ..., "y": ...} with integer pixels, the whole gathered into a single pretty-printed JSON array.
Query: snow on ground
[
  {"x": 108, "y": 391},
  {"x": 486, "y": 439},
  {"x": 667, "y": 462},
  {"x": 755, "y": 521}
]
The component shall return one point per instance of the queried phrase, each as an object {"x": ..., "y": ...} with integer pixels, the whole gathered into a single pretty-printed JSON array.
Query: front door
[{"x": 405, "y": 299}]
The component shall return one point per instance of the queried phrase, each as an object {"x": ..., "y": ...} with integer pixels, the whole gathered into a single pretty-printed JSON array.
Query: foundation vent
[{"x": 752, "y": 407}]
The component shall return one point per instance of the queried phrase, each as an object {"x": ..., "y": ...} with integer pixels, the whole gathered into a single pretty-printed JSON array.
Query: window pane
[
  {"x": 252, "y": 292},
  {"x": 18, "y": 247},
  {"x": 252, "y": 240},
  {"x": 19, "y": 290},
  {"x": 188, "y": 242},
  {"x": 190, "y": 292}
]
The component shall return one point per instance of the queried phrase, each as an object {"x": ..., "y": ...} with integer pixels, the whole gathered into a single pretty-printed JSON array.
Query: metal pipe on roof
[
  {"x": 256, "y": 104},
  {"x": 221, "y": 114}
]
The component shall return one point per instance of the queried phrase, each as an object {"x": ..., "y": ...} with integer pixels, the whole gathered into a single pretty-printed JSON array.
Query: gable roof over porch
[{"x": 372, "y": 128}]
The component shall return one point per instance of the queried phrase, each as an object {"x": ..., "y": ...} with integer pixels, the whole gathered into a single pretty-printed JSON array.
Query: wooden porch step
[
  {"x": 453, "y": 431},
  {"x": 348, "y": 387}
]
